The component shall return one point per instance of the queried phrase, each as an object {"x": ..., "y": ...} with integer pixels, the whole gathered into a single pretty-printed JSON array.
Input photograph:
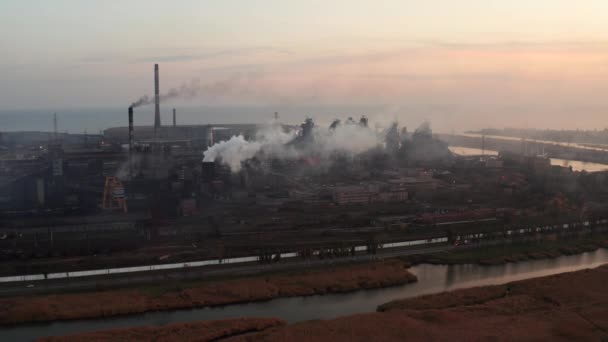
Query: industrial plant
[
  {"x": 277, "y": 171},
  {"x": 177, "y": 194}
]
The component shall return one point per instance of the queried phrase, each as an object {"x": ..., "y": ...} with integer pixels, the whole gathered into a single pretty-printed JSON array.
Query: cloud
[
  {"x": 185, "y": 55},
  {"x": 210, "y": 55},
  {"x": 453, "y": 76},
  {"x": 529, "y": 45}
]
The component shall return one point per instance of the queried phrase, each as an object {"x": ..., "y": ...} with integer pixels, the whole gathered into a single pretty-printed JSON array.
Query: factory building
[
  {"x": 393, "y": 193},
  {"x": 354, "y": 194},
  {"x": 370, "y": 193}
]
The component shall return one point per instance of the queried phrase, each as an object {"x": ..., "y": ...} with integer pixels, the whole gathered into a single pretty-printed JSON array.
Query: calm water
[
  {"x": 576, "y": 165},
  {"x": 94, "y": 120},
  {"x": 468, "y": 151},
  {"x": 431, "y": 279},
  {"x": 579, "y": 165},
  {"x": 549, "y": 142}
]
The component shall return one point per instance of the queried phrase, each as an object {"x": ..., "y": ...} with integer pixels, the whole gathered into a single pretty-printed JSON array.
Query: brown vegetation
[
  {"x": 333, "y": 279},
  {"x": 570, "y": 306},
  {"x": 194, "y": 331},
  {"x": 471, "y": 296}
]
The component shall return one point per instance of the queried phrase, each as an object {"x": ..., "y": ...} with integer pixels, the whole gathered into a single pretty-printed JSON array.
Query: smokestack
[
  {"x": 156, "y": 100},
  {"x": 174, "y": 123},
  {"x": 131, "y": 142},
  {"x": 55, "y": 127}
]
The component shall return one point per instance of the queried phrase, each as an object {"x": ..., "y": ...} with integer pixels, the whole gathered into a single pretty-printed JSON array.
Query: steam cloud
[
  {"x": 233, "y": 151},
  {"x": 273, "y": 142}
]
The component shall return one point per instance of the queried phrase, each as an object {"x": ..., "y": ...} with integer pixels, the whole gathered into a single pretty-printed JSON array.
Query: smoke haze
[
  {"x": 274, "y": 142},
  {"x": 233, "y": 152},
  {"x": 238, "y": 84}
]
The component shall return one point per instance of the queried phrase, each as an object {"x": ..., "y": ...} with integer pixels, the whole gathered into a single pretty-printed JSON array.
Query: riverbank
[
  {"x": 180, "y": 294},
  {"x": 194, "y": 331},
  {"x": 563, "y": 307},
  {"x": 184, "y": 295},
  {"x": 432, "y": 279},
  {"x": 514, "y": 252}
]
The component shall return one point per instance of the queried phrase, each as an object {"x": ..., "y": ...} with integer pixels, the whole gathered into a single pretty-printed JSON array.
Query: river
[
  {"x": 431, "y": 279},
  {"x": 576, "y": 165},
  {"x": 547, "y": 142}
]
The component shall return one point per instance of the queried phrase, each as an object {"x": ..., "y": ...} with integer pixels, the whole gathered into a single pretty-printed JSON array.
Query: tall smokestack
[
  {"x": 156, "y": 100},
  {"x": 174, "y": 123},
  {"x": 131, "y": 142}
]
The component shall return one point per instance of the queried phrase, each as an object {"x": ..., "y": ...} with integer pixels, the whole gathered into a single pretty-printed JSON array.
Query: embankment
[
  {"x": 180, "y": 295},
  {"x": 564, "y": 307}
]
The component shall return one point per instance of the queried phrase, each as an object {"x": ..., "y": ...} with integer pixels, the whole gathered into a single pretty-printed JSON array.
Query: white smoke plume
[
  {"x": 233, "y": 152},
  {"x": 274, "y": 142},
  {"x": 271, "y": 139},
  {"x": 350, "y": 138}
]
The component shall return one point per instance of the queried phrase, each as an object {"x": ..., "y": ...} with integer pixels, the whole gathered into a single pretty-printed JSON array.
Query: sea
[{"x": 93, "y": 120}]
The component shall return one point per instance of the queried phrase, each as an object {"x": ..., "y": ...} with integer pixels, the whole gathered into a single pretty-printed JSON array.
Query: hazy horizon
[
  {"x": 461, "y": 65},
  {"x": 77, "y": 120}
]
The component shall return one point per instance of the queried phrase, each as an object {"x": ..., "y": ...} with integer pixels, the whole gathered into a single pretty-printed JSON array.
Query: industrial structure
[
  {"x": 178, "y": 188},
  {"x": 114, "y": 195},
  {"x": 156, "y": 99}
]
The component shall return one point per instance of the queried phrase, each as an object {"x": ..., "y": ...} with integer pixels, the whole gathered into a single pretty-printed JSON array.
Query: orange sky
[{"x": 469, "y": 62}]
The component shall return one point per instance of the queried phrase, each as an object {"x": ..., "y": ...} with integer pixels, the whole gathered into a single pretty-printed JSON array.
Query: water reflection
[
  {"x": 431, "y": 279},
  {"x": 579, "y": 165},
  {"x": 595, "y": 147},
  {"x": 575, "y": 164},
  {"x": 469, "y": 151}
]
